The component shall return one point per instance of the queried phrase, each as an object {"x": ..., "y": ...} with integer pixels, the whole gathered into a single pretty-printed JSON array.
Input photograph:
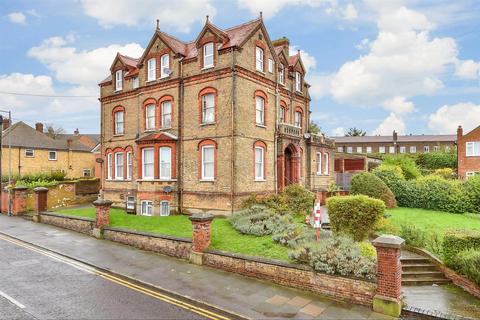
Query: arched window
[
  {"x": 298, "y": 121},
  {"x": 150, "y": 117},
  {"x": 260, "y": 163},
  {"x": 118, "y": 115},
  {"x": 282, "y": 117},
  {"x": 148, "y": 164},
  {"x": 166, "y": 113},
  {"x": 260, "y": 108},
  {"x": 207, "y": 105},
  {"x": 208, "y": 160},
  {"x": 165, "y": 161}
]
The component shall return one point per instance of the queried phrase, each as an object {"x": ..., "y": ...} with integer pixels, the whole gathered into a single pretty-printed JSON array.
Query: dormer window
[
  {"x": 281, "y": 75},
  {"x": 259, "y": 58},
  {"x": 165, "y": 66},
  {"x": 298, "y": 81},
  {"x": 208, "y": 55},
  {"x": 152, "y": 66},
  {"x": 118, "y": 80}
]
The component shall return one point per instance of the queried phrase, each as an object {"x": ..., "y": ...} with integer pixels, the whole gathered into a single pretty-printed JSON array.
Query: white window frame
[
  {"x": 166, "y": 115},
  {"x": 319, "y": 163},
  {"x": 359, "y": 149},
  {"x": 161, "y": 163},
  {"x": 204, "y": 177},
  {"x": 206, "y": 108},
  {"x": 117, "y": 123},
  {"x": 426, "y": 149},
  {"x": 413, "y": 149},
  {"x": 135, "y": 83},
  {"x": 259, "y": 59},
  {"x": 162, "y": 213},
  {"x": 109, "y": 166},
  {"x": 209, "y": 55},
  {"x": 164, "y": 65},
  {"x": 151, "y": 69},
  {"x": 129, "y": 165},
  {"x": 270, "y": 65},
  {"x": 52, "y": 158},
  {"x": 89, "y": 172},
  {"x": 144, "y": 177},
  {"x": 259, "y": 110},
  {"x": 326, "y": 163},
  {"x": 281, "y": 74},
  {"x": 349, "y": 149},
  {"x": 118, "y": 80},
  {"x": 298, "y": 119},
  {"x": 339, "y": 149},
  {"x": 119, "y": 155},
  {"x": 472, "y": 149},
  {"x": 381, "y": 149},
  {"x": 148, "y": 118},
  {"x": 403, "y": 149},
  {"x": 298, "y": 81},
  {"x": 130, "y": 203},
  {"x": 391, "y": 149},
  {"x": 260, "y": 176},
  {"x": 436, "y": 148},
  {"x": 32, "y": 151},
  {"x": 282, "y": 115},
  {"x": 369, "y": 149},
  {"x": 148, "y": 208}
]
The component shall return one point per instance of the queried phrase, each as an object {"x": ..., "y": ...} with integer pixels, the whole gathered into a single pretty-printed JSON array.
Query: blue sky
[{"x": 412, "y": 66}]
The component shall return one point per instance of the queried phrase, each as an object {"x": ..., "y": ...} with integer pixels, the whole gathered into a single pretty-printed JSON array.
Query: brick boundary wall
[
  {"x": 168, "y": 245},
  {"x": 295, "y": 276},
  {"x": 78, "y": 224}
]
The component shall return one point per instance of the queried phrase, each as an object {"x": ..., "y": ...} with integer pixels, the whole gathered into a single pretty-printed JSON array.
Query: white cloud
[
  {"x": 391, "y": 123},
  {"x": 350, "y": 12},
  {"x": 447, "y": 118},
  {"x": 308, "y": 60},
  {"x": 79, "y": 67},
  {"x": 338, "y": 132},
  {"x": 398, "y": 105},
  {"x": 17, "y": 17},
  {"x": 178, "y": 15},
  {"x": 467, "y": 69}
]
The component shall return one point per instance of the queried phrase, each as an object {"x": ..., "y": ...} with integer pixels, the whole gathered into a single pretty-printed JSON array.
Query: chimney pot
[
  {"x": 459, "y": 132},
  {"x": 39, "y": 127},
  {"x": 76, "y": 132}
]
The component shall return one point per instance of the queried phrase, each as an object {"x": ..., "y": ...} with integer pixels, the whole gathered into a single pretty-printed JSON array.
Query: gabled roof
[
  {"x": 24, "y": 136},
  {"x": 472, "y": 131},
  {"x": 389, "y": 139},
  {"x": 214, "y": 29},
  {"x": 157, "y": 136}
]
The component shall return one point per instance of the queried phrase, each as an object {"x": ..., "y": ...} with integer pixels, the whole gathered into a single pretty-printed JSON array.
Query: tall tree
[
  {"x": 314, "y": 127},
  {"x": 52, "y": 131},
  {"x": 355, "y": 132}
]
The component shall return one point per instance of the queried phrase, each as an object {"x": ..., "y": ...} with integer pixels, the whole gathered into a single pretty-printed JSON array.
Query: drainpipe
[
  {"x": 233, "y": 149},
  {"x": 275, "y": 136},
  {"x": 180, "y": 166}
]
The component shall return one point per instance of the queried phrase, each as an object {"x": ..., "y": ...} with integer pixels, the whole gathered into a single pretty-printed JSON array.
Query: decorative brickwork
[
  {"x": 201, "y": 231},
  {"x": 19, "y": 200},
  {"x": 40, "y": 199},
  {"x": 102, "y": 213}
]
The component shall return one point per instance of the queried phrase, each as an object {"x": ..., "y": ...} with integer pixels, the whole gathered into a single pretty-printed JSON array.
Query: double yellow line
[{"x": 203, "y": 312}]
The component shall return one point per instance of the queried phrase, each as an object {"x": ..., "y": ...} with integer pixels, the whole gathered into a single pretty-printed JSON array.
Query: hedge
[
  {"x": 468, "y": 263},
  {"x": 406, "y": 163},
  {"x": 356, "y": 216},
  {"x": 456, "y": 241},
  {"x": 368, "y": 184},
  {"x": 437, "y": 160}
]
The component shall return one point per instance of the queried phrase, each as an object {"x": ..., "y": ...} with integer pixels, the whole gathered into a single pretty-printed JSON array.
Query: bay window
[
  {"x": 119, "y": 166},
  {"x": 129, "y": 165},
  {"x": 109, "y": 166},
  {"x": 148, "y": 164},
  {"x": 165, "y": 163},
  {"x": 208, "y": 55}
]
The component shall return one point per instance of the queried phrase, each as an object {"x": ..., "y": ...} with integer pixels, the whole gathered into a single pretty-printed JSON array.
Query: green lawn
[
  {"x": 224, "y": 237},
  {"x": 433, "y": 221}
]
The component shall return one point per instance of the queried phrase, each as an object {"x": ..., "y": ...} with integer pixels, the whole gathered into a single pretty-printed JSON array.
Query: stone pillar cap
[
  {"x": 102, "y": 202},
  {"x": 20, "y": 188},
  {"x": 40, "y": 189},
  {"x": 201, "y": 217},
  {"x": 388, "y": 241}
]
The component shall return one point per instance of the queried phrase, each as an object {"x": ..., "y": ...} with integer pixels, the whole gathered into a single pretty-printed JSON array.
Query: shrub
[
  {"x": 354, "y": 215},
  {"x": 37, "y": 183},
  {"x": 437, "y": 160},
  {"x": 259, "y": 221},
  {"x": 471, "y": 188},
  {"x": 406, "y": 163},
  {"x": 298, "y": 199},
  {"x": 446, "y": 173},
  {"x": 367, "y": 250},
  {"x": 295, "y": 235},
  {"x": 385, "y": 226},
  {"x": 412, "y": 235},
  {"x": 456, "y": 241},
  {"x": 272, "y": 201},
  {"x": 333, "y": 187},
  {"x": 341, "y": 255},
  {"x": 467, "y": 262},
  {"x": 368, "y": 184}
]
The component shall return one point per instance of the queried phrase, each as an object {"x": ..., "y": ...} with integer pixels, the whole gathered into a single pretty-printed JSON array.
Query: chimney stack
[
  {"x": 39, "y": 127},
  {"x": 76, "y": 132},
  {"x": 5, "y": 123},
  {"x": 459, "y": 133},
  {"x": 69, "y": 144},
  {"x": 395, "y": 136}
]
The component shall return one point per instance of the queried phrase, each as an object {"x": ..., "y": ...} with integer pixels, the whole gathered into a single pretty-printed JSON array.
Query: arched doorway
[{"x": 291, "y": 165}]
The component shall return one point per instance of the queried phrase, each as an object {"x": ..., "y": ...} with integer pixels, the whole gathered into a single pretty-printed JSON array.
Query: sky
[{"x": 378, "y": 65}]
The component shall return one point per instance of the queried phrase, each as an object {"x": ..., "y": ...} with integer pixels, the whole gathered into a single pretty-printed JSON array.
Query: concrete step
[
  {"x": 422, "y": 274},
  {"x": 411, "y": 260},
  {"x": 423, "y": 281},
  {"x": 27, "y": 217},
  {"x": 418, "y": 267}
]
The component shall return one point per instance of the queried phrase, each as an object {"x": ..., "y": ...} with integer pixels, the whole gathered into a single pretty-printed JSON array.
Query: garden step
[
  {"x": 422, "y": 274},
  {"x": 423, "y": 281},
  {"x": 410, "y": 260},
  {"x": 419, "y": 267}
]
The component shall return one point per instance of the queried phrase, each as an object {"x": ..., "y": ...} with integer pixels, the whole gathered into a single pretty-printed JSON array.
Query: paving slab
[{"x": 238, "y": 294}]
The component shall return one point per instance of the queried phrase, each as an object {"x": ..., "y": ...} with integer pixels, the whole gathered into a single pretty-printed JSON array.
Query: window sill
[
  {"x": 260, "y": 71},
  {"x": 52, "y": 159},
  {"x": 156, "y": 180},
  {"x": 207, "y": 124},
  {"x": 261, "y": 125},
  {"x": 207, "y": 180},
  {"x": 117, "y": 91},
  {"x": 319, "y": 174},
  {"x": 164, "y": 77},
  {"x": 207, "y": 68},
  {"x": 150, "y": 82},
  {"x": 260, "y": 180},
  {"x": 165, "y": 128},
  {"x": 118, "y": 135}
]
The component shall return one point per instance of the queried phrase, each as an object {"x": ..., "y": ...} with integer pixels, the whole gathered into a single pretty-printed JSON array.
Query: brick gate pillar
[
  {"x": 19, "y": 200},
  {"x": 102, "y": 216},
  {"x": 40, "y": 202},
  {"x": 387, "y": 299},
  {"x": 201, "y": 223}
]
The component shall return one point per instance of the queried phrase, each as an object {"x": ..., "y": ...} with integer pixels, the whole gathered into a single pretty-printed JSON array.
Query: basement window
[
  {"x": 164, "y": 208},
  {"x": 52, "y": 155},
  {"x": 29, "y": 153},
  {"x": 146, "y": 208},
  {"x": 87, "y": 172}
]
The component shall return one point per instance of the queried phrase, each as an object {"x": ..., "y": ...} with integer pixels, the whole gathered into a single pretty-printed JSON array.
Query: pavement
[{"x": 234, "y": 293}]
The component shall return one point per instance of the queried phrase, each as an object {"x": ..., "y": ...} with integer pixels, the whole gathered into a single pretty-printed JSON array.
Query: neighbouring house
[
  {"x": 420, "y": 143},
  {"x": 200, "y": 125},
  {"x": 33, "y": 151},
  {"x": 468, "y": 153}
]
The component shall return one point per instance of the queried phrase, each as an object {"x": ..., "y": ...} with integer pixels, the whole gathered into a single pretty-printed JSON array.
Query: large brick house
[
  {"x": 419, "y": 143},
  {"x": 200, "y": 125},
  {"x": 468, "y": 153}
]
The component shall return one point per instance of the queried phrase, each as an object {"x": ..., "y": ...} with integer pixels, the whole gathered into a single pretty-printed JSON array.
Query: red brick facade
[{"x": 468, "y": 160}]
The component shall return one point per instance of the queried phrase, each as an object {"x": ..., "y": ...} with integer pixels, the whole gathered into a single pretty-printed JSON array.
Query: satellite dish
[
  {"x": 167, "y": 189},
  {"x": 167, "y": 71},
  {"x": 307, "y": 135}
]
